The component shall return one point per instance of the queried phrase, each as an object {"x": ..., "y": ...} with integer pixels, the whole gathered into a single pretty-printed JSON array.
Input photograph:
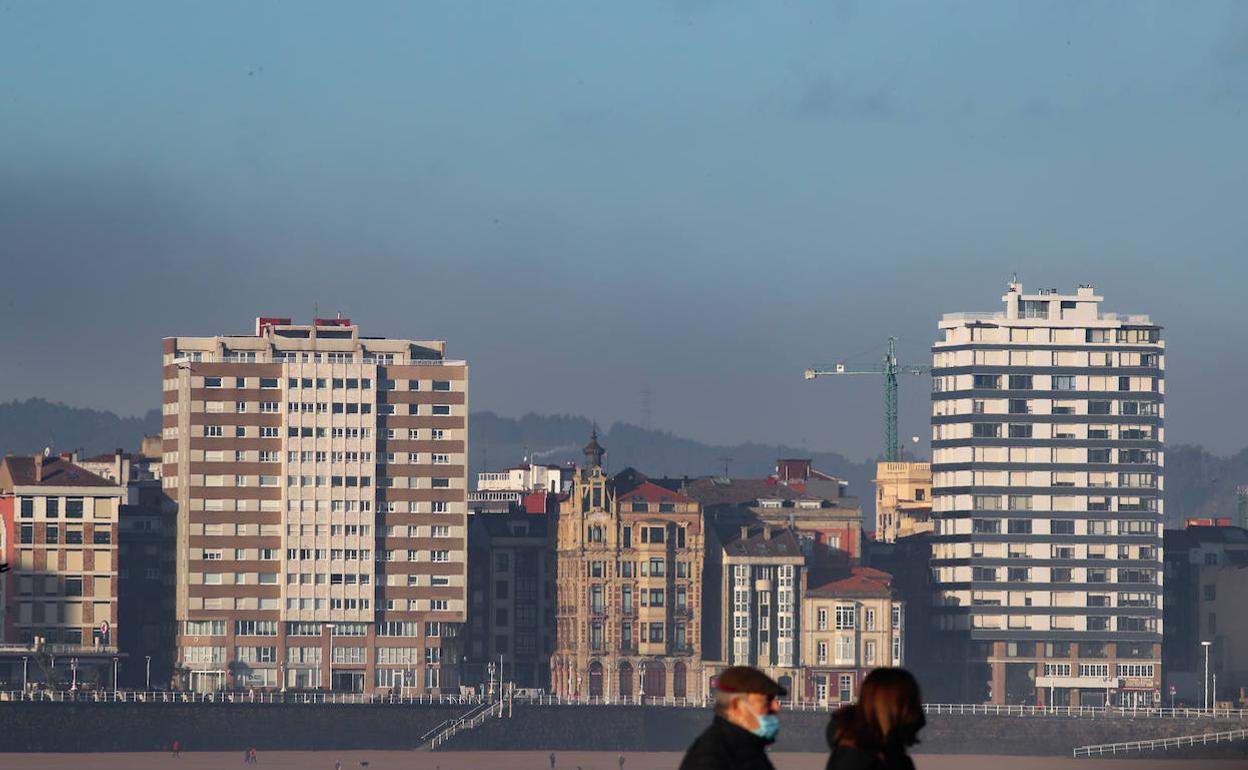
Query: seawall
[{"x": 93, "y": 727}]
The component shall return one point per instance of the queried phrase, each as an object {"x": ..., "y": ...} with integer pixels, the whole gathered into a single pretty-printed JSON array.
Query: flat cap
[{"x": 745, "y": 679}]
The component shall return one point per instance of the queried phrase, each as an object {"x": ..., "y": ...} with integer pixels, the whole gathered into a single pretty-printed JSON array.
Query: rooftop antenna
[
  {"x": 726, "y": 461},
  {"x": 645, "y": 407}
]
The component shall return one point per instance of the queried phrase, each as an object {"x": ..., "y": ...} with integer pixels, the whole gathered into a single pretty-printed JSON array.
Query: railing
[
  {"x": 1155, "y": 744},
  {"x": 478, "y": 701},
  {"x": 474, "y": 718},
  {"x": 229, "y": 696},
  {"x": 445, "y": 724}
]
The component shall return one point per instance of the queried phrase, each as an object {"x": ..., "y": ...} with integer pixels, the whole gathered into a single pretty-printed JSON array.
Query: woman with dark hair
[{"x": 875, "y": 733}]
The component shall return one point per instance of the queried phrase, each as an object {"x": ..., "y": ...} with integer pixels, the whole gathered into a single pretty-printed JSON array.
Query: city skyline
[{"x": 693, "y": 183}]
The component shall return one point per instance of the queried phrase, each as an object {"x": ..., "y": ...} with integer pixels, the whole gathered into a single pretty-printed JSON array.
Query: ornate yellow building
[
  {"x": 628, "y": 618},
  {"x": 903, "y": 500}
]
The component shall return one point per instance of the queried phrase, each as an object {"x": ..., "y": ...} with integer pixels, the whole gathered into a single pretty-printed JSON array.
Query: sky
[{"x": 656, "y": 212}]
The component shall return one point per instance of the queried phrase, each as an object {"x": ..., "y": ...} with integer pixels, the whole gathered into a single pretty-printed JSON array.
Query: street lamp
[
  {"x": 114, "y": 674},
  {"x": 73, "y": 667},
  {"x": 147, "y": 680},
  {"x": 642, "y": 668},
  {"x": 1206, "y": 645},
  {"x": 25, "y": 659}
]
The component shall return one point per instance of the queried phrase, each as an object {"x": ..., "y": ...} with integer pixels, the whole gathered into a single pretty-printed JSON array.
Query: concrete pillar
[{"x": 998, "y": 682}]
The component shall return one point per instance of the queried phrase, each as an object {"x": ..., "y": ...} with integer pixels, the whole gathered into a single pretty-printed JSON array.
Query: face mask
[{"x": 768, "y": 726}]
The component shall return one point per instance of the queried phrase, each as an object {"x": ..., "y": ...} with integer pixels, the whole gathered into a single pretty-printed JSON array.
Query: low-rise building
[
  {"x": 851, "y": 624},
  {"x": 752, "y": 601},
  {"x": 511, "y": 599},
  {"x": 826, "y": 522},
  {"x": 903, "y": 500},
  {"x": 59, "y": 533},
  {"x": 1204, "y": 589}
]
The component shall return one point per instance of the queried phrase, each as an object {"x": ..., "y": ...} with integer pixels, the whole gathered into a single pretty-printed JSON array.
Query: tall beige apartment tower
[
  {"x": 1047, "y": 485},
  {"x": 320, "y": 480}
]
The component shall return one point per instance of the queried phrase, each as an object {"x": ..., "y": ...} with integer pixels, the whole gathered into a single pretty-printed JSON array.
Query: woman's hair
[{"x": 888, "y": 715}]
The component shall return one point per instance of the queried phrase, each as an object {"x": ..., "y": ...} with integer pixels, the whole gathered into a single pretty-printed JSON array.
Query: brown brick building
[
  {"x": 58, "y": 531},
  {"x": 320, "y": 482},
  {"x": 629, "y": 592}
]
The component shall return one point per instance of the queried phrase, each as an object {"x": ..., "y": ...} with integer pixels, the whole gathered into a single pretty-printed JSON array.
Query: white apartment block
[{"x": 1047, "y": 446}]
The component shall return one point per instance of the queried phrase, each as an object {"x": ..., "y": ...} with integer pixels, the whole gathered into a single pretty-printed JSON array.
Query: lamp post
[
  {"x": 1172, "y": 697},
  {"x": 147, "y": 678},
  {"x": 25, "y": 659},
  {"x": 642, "y": 689},
  {"x": 490, "y": 683},
  {"x": 73, "y": 667},
  {"x": 1206, "y": 645},
  {"x": 281, "y": 670},
  {"x": 114, "y": 674}
]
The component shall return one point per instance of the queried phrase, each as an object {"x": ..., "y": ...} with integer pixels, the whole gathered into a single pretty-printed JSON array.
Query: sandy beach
[{"x": 528, "y": 760}]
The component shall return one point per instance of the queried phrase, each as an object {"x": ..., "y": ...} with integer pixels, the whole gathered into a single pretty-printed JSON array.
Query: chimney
[
  {"x": 745, "y": 533},
  {"x": 766, "y": 533},
  {"x": 38, "y": 469},
  {"x": 121, "y": 467}
]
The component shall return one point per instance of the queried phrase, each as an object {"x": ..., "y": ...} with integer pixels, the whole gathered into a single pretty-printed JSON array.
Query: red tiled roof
[
  {"x": 57, "y": 472},
  {"x": 651, "y": 493},
  {"x": 858, "y": 581}
]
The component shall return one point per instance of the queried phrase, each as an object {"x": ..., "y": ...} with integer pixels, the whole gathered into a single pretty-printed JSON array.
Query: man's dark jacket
[{"x": 725, "y": 746}]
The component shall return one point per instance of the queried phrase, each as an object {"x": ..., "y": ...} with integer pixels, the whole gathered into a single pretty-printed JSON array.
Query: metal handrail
[
  {"x": 1161, "y": 743},
  {"x": 232, "y": 696},
  {"x": 478, "y": 701}
]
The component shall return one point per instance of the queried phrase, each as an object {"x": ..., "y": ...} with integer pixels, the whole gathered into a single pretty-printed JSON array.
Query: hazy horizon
[{"x": 658, "y": 213}]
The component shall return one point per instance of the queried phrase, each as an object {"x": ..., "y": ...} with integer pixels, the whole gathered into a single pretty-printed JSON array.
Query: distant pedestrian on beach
[
  {"x": 177, "y": 749},
  {"x": 552, "y": 760},
  {"x": 251, "y": 755},
  {"x": 338, "y": 765},
  {"x": 247, "y": 757},
  {"x": 621, "y": 761},
  {"x": 876, "y": 732}
]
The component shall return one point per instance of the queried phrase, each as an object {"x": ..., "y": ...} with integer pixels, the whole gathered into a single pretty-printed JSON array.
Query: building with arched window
[{"x": 629, "y": 587}]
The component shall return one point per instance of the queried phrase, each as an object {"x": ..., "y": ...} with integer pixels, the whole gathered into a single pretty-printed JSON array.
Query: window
[
  {"x": 986, "y": 526},
  {"x": 1063, "y": 382},
  {"x": 987, "y": 381},
  {"x": 1099, "y": 407},
  {"x": 442, "y": 385},
  {"x": 212, "y": 382},
  {"x": 986, "y": 430},
  {"x": 1020, "y": 382},
  {"x": 1019, "y": 527},
  {"x": 845, "y": 616},
  {"x": 1020, "y": 430}
]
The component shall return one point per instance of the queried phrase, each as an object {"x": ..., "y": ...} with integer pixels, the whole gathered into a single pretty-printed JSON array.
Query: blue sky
[{"x": 589, "y": 200}]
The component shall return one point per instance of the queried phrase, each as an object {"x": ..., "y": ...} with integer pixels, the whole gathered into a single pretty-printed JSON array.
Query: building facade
[
  {"x": 761, "y": 572},
  {"x": 629, "y": 590},
  {"x": 851, "y": 624},
  {"x": 1047, "y": 494},
  {"x": 58, "y": 523},
  {"x": 510, "y": 634},
  {"x": 1205, "y": 568},
  {"x": 903, "y": 500},
  {"x": 320, "y": 484}
]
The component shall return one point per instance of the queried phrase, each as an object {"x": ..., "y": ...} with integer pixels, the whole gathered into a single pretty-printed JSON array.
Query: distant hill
[
  {"x": 1197, "y": 482},
  {"x": 31, "y": 425}
]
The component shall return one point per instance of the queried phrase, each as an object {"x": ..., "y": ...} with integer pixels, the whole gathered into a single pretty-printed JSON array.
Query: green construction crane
[{"x": 890, "y": 369}]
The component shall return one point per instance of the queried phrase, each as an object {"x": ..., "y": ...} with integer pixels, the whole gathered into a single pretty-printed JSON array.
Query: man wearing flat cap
[{"x": 746, "y": 704}]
